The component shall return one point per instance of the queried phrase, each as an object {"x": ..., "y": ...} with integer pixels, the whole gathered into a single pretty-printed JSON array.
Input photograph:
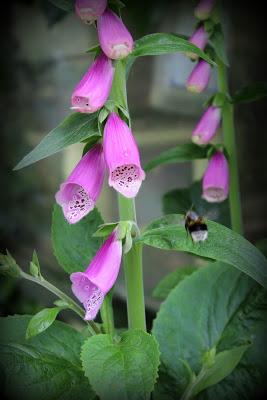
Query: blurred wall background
[{"x": 43, "y": 57}]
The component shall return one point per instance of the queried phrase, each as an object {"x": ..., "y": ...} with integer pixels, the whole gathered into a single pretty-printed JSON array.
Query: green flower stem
[
  {"x": 230, "y": 145},
  {"x": 53, "y": 289},
  {"x": 133, "y": 272},
  {"x": 107, "y": 314}
]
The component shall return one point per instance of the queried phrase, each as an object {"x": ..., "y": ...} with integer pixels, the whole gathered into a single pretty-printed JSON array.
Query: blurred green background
[{"x": 43, "y": 56}]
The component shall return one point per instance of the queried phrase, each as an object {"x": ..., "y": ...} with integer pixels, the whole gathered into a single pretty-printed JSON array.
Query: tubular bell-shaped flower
[
  {"x": 91, "y": 286},
  {"x": 203, "y": 9},
  {"x": 114, "y": 38},
  {"x": 78, "y": 194},
  {"x": 93, "y": 90},
  {"x": 215, "y": 184},
  {"x": 200, "y": 39},
  {"x": 199, "y": 78},
  {"x": 90, "y": 10},
  {"x": 207, "y": 126},
  {"x": 122, "y": 157}
]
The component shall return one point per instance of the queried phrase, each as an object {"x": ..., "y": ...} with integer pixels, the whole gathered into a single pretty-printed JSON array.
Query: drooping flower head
[
  {"x": 91, "y": 286},
  {"x": 204, "y": 8},
  {"x": 122, "y": 157},
  {"x": 215, "y": 184},
  {"x": 90, "y": 10},
  {"x": 93, "y": 90},
  {"x": 114, "y": 38},
  {"x": 78, "y": 194},
  {"x": 199, "y": 38},
  {"x": 199, "y": 78},
  {"x": 207, "y": 126}
]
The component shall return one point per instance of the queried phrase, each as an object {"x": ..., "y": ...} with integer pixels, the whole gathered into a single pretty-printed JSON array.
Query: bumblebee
[{"x": 196, "y": 227}]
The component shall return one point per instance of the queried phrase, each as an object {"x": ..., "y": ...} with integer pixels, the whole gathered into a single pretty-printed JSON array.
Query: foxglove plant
[
  {"x": 90, "y": 10},
  {"x": 93, "y": 90},
  {"x": 199, "y": 78},
  {"x": 78, "y": 194},
  {"x": 122, "y": 157},
  {"x": 200, "y": 39},
  {"x": 204, "y": 8},
  {"x": 215, "y": 184},
  {"x": 91, "y": 286},
  {"x": 114, "y": 38},
  {"x": 207, "y": 126}
]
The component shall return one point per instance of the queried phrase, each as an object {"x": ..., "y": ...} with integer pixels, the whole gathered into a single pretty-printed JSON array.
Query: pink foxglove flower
[
  {"x": 207, "y": 126},
  {"x": 204, "y": 8},
  {"x": 200, "y": 39},
  {"x": 215, "y": 184},
  {"x": 78, "y": 194},
  {"x": 122, "y": 157},
  {"x": 114, "y": 38},
  {"x": 199, "y": 78},
  {"x": 91, "y": 286},
  {"x": 90, "y": 10},
  {"x": 93, "y": 90}
]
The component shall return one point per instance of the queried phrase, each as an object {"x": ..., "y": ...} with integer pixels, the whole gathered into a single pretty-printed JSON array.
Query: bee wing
[{"x": 212, "y": 214}]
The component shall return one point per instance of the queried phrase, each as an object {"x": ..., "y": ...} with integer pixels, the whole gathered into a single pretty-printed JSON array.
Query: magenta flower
[
  {"x": 215, "y": 184},
  {"x": 199, "y": 78},
  {"x": 207, "y": 126},
  {"x": 91, "y": 286},
  {"x": 114, "y": 38},
  {"x": 122, "y": 157},
  {"x": 200, "y": 39},
  {"x": 204, "y": 8},
  {"x": 90, "y": 10},
  {"x": 93, "y": 90},
  {"x": 78, "y": 194}
]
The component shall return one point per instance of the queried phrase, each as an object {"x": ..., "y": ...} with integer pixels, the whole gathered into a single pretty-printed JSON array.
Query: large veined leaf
[
  {"x": 181, "y": 153},
  {"x": 223, "y": 244},
  {"x": 74, "y": 245},
  {"x": 75, "y": 128},
  {"x": 45, "y": 367},
  {"x": 165, "y": 43},
  {"x": 124, "y": 369},
  {"x": 179, "y": 201},
  {"x": 220, "y": 311}
]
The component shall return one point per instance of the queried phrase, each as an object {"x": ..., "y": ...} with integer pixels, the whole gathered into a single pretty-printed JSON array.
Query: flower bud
[
  {"x": 114, "y": 38},
  {"x": 122, "y": 157},
  {"x": 91, "y": 286},
  {"x": 200, "y": 39},
  {"x": 203, "y": 9},
  {"x": 78, "y": 194},
  {"x": 207, "y": 126},
  {"x": 93, "y": 90},
  {"x": 199, "y": 78},
  {"x": 90, "y": 10},
  {"x": 215, "y": 184}
]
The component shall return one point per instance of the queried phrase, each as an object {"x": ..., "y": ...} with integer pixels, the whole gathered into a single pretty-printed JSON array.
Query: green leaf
[
  {"x": 75, "y": 128},
  {"x": 74, "y": 246},
  {"x": 216, "y": 308},
  {"x": 8, "y": 266},
  {"x": 165, "y": 43},
  {"x": 171, "y": 280},
  {"x": 45, "y": 367},
  {"x": 41, "y": 321},
  {"x": 105, "y": 229},
  {"x": 218, "y": 42},
  {"x": 179, "y": 201},
  {"x": 262, "y": 246},
  {"x": 181, "y": 153},
  {"x": 125, "y": 369},
  {"x": 254, "y": 91},
  {"x": 224, "y": 363},
  {"x": 66, "y": 5},
  {"x": 35, "y": 269},
  {"x": 223, "y": 244}
]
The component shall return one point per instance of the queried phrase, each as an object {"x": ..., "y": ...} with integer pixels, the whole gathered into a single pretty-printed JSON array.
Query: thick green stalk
[
  {"x": 107, "y": 314},
  {"x": 53, "y": 289},
  {"x": 230, "y": 145},
  {"x": 133, "y": 272}
]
